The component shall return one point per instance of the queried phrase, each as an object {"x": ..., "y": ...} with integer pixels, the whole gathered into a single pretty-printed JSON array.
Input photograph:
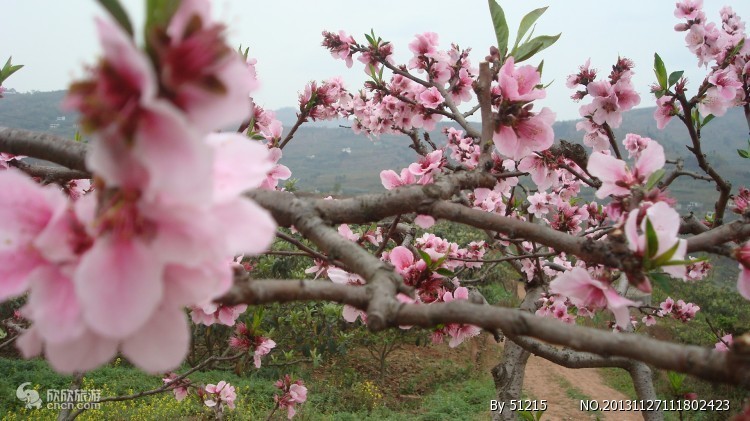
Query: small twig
[{"x": 388, "y": 236}]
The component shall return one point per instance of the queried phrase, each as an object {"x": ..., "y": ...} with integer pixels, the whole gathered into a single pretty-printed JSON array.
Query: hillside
[{"x": 326, "y": 157}]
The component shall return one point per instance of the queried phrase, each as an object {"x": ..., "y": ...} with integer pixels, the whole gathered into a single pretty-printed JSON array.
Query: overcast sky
[{"x": 55, "y": 39}]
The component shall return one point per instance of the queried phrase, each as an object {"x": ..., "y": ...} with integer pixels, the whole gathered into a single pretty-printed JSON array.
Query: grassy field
[{"x": 429, "y": 383}]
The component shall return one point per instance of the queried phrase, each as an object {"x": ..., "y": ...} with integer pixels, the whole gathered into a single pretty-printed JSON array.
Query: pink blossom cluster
[
  {"x": 463, "y": 149},
  {"x": 180, "y": 388},
  {"x": 698, "y": 270},
  {"x": 665, "y": 222},
  {"x": 244, "y": 339},
  {"x": 210, "y": 313},
  {"x": 556, "y": 307},
  {"x": 430, "y": 286},
  {"x": 340, "y": 46},
  {"x": 438, "y": 248},
  {"x": 340, "y": 276},
  {"x": 743, "y": 281},
  {"x": 520, "y": 132},
  {"x": 112, "y": 272},
  {"x": 328, "y": 101},
  {"x": 724, "y": 343},
  {"x": 74, "y": 188},
  {"x": 292, "y": 393},
  {"x": 420, "y": 172},
  {"x": 616, "y": 177},
  {"x": 218, "y": 395},
  {"x": 583, "y": 290},
  {"x": 741, "y": 201},
  {"x": 458, "y": 332},
  {"x": 495, "y": 199},
  {"x": 403, "y": 103},
  {"x": 680, "y": 310},
  {"x": 609, "y": 99},
  {"x": 713, "y": 43}
]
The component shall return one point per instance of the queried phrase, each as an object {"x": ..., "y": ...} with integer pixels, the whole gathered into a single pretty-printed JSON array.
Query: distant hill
[
  {"x": 38, "y": 111},
  {"x": 326, "y": 157}
]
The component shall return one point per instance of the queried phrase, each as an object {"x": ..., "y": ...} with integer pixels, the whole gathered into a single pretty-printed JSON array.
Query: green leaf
[
  {"x": 676, "y": 380},
  {"x": 445, "y": 272},
  {"x": 426, "y": 257},
  {"x": 9, "y": 69},
  {"x": 665, "y": 257},
  {"x": 370, "y": 40},
  {"x": 660, "y": 71},
  {"x": 674, "y": 77},
  {"x": 652, "y": 242},
  {"x": 526, "y": 23},
  {"x": 736, "y": 49},
  {"x": 655, "y": 178},
  {"x": 662, "y": 280},
  {"x": 533, "y": 46},
  {"x": 526, "y": 415},
  {"x": 501, "y": 27},
  {"x": 540, "y": 67},
  {"x": 744, "y": 153},
  {"x": 118, "y": 13},
  {"x": 159, "y": 13},
  {"x": 707, "y": 120}
]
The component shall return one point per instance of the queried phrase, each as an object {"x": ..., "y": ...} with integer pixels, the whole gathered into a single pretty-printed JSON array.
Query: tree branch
[{"x": 43, "y": 146}]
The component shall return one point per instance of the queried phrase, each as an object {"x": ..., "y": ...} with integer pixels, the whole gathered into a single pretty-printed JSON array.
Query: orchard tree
[{"x": 160, "y": 213}]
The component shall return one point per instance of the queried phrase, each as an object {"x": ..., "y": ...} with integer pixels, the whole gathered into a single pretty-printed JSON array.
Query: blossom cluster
[
  {"x": 404, "y": 102},
  {"x": 112, "y": 271},
  {"x": 724, "y": 47},
  {"x": 292, "y": 393},
  {"x": 609, "y": 99},
  {"x": 244, "y": 339}
]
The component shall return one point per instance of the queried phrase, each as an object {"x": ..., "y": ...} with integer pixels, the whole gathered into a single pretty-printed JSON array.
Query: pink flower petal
[
  {"x": 401, "y": 257},
  {"x": 743, "y": 282},
  {"x": 81, "y": 354},
  {"x": 176, "y": 159},
  {"x": 162, "y": 343},
  {"x": 54, "y": 307},
  {"x": 240, "y": 164},
  {"x": 119, "y": 283},
  {"x": 248, "y": 228}
]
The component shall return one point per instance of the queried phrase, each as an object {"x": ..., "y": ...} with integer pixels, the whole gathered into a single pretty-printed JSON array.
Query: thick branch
[
  {"x": 725, "y": 367},
  {"x": 43, "y": 146},
  {"x": 483, "y": 90},
  {"x": 51, "y": 174}
]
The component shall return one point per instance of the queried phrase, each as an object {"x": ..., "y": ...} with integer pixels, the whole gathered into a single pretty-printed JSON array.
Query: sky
[{"x": 56, "y": 39}]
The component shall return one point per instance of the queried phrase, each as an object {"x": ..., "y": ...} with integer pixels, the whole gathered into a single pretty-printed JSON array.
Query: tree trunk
[{"x": 509, "y": 373}]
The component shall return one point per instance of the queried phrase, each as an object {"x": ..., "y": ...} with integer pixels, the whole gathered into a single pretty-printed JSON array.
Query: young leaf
[
  {"x": 652, "y": 242},
  {"x": 526, "y": 23},
  {"x": 8, "y": 69},
  {"x": 426, "y": 257},
  {"x": 661, "y": 280},
  {"x": 665, "y": 257},
  {"x": 533, "y": 46},
  {"x": 674, "y": 77},
  {"x": 707, "y": 120},
  {"x": 655, "y": 178},
  {"x": 118, "y": 13},
  {"x": 660, "y": 71},
  {"x": 159, "y": 13},
  {"x": 501, "y": 27},
  {"x": 676, "y": 380},
  {"x": 445, "y": 272},
  {"x": 743, "y": 153}
]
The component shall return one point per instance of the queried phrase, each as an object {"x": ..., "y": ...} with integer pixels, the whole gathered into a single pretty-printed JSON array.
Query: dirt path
[{"x": 563, "y": 388}]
